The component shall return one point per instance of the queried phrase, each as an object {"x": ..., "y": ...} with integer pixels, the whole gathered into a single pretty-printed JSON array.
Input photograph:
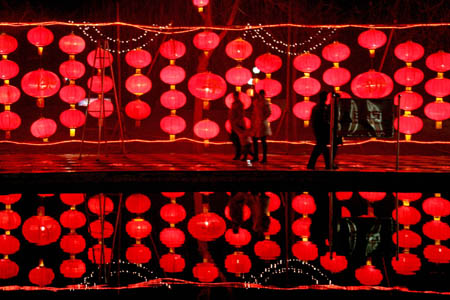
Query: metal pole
[
  {"x": 397, "y": 161},
  {"x": 332, "y": 129}
]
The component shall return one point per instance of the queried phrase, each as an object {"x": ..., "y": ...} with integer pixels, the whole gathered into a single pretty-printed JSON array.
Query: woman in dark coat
[
  {"x": 260, "y": 129},
  {"x": 239, "y": 133}
]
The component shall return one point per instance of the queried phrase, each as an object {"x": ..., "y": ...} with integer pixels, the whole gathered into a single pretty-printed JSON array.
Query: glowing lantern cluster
[
  {"x": 304, "y": 249},
  {"x": 268, "y": 249},
  {"x": 406, "y": 263},
  {"x": 9, "y": 244},
  {"x": 436, "y": 229},
  {"x": 9, "y": 94},
  {"x": 306, "y": 86},
  {"x": 439, "y": 87},
  {"x": 100, "y": 229},
  {"x": 336, "y": 76},
  {"x": 72, "y": 243}
]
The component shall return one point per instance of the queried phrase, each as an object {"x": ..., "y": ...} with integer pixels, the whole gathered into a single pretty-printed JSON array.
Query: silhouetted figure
[
  {"x": 260, "y": 126},
  {"x": 239, "y": 134},
  {"x": 258, "y": 203}
]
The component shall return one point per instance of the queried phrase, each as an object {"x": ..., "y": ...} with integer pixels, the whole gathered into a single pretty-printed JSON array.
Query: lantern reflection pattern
[
  {"x": 268, "y": 249},
  {"x": 9, "y": 220}
]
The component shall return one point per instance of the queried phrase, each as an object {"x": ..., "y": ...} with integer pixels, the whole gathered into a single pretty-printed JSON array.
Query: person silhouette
[
  {"x": 260, "y": 129},
  {"x": 239, "y": 133}
]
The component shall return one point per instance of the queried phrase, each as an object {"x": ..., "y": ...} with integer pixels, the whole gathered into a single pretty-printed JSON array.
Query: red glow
[
  {"x": 138, "y": 110},
  {"x": 372, "y": 39},
  {"x": 207, "y": 86},
  {"x": 100, "y": 58},
  {"x": 268, "y": 63},
  {"x": 238, "y": 76},
  {"x": 172, "y": 124},
  {"x": 138, "y": 58},
  {"x": 409, "y": 51},
  {"x": 9, "y": 244},
  {"x": 72, "y": 44},
  {"x": 239, "y": 49},
  {"x": 172, "y": 237},
  {"x": 206, "y": 40},
  {"x": 72, "y": 219},
  {"x": 272, "y": 87},
  {"x": 172, "y": 74},
  {"x": 72, "y": 268},
  {"x": 205, "y": 272},
  {"x": 41, "y": 276},
  {"x": 307, "y": 62},
  {"x": 206, "y": 129},
  {"x": 173, "y": 213},
  {"x": 239, "y": 239},
  {"x": 172, "y": 49},
  {"x": 8, "y": 69},
  {"x": 369, "y": 275},
  {"x": 40, "y": 36},
  {"x": 305, "y": 250},
  {"x": 439, "y": 61},
  {"x": 138, "y": 254},
  {"x": 372, "y": 84},
  {"x": 409, "y": 100},
  {"x": 9, "y": 94},
  {"x": 436, "y": 206},
  {"x": 306, "y": 86},
  {"x": 304, "y": 204},
  {"x": 100, "y": 254},
  {"x": 408, "y": 76},
  {"x": 72, "y": 93},
  {"x": 172, "y": 263},
  {"x": 40, "y": 83},
  {"x": 72, "y": 243},
  {"x": 8, "y": 44},
  {"x": 207, "y": 226},
  {"x": 101, "y": 229},
  {"x": 138, "y": 228},
  {"x": 72, "y": 69},
  {"x": 336, "y": 52},
  {"x": 43, "y": 128},
  {"x": 406, "y": 264},
  {"x": 99, "y": 108},
  {"x": 267, "y": 249},
  {"x": 137, "y": 203},
  {"x": 173, "y": 99},
  {"x": 138, "y": 84},
  {"x": 238, "y": 263},
  {"x": 335, "y": 263},
  {"x": 336, "y": 76},
  {"x": 41, "y": 229}
]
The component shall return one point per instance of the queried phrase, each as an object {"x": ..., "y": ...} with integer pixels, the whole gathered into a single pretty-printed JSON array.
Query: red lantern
[
  {"x": 9, "y": 121},
  {"x": 138, "y": 254},
  {"x": 207, "y": 226},
  {"x": 43, "y": 128},
  {"x": 437, "y": 111},
  {"x": 40, "y": 37},
  {"x": 436, "y": 230},
  {"x": 438, "y": 62},
  {"x": 410, "y": 197},
  {"x": 206, "y": 40},
  {"x": 239, "y": 49},
  {"x": 239, "y": 239},
  {"x": 438, "y": 87},
  {"x": 205, "y": 272},
  {"x": 344, "y": 196},
  {"x": 72, "y": 44},
  {"x": 172, "y": 263},
  {"x": 72, "y": 219},
  {"x": 101, "y": 229},
  {"x": 305, "y": 250},
  {"x": 72, "y": 69},
  {"x": 138, "y": 84},
  {"x": 100, "y": 254},
  {"x": 238, "y": 263},
  {"x": 100, "y": 58},
  {"x": 7, "y": 44},
  {"x": 138, "y": 110},
  {"x": 409, "y": 100},
  {"x": 274, "y": 227},
  {"x": 369, "y": 275},
  {"x": 409, "y": 125},
  {"x": 8, "y": 69},
  {"x": 9, "y": 219},
  {"x": 41, "y": 229},
  {"x": 40, "y": 84},
  {"x": 96, "y": 107},
  {"x": 372, "y": 85},
  {"x": 246, "y": 212},
  {"x": 408, "y": 76},
  {"x": 206, "y": 129},
  {"x": 274, "y": 201},
  {"x": 207, "y": 86},
  {"x": 406, "y": 264},
  {"x": 173, "y": 195},
  {"x": 306, "y": 62},
  {"x": 268, "y": 63},
  {"x": 138, "y": 58},
  {"x": 172, "y": 125},
  {"x": 100, "y": 205},
  {"x": 173, "y": 99},
  {"x": 72, "y": 268},
  {"x": 436, "y": 206},
  {"x": 173, "y": 213},
  {"x": 373, "y": 196},
  {"x": 9, "y": 94},
  {"x": 172, "y": 237},
  {"x": 238, "y": 76},
  {"x": 10, "y": 198},
  {"x": 172, "y": 49},
  {"x": 335, "y": 263},
  {"x": 437, "y": 254},
  {"x": 301, "y": 227},
  {"x": 304, "y": 204},
  {"x": 172, "y": 74},
  {"x": 407, "y": 239},
  {"x": 245, "y": 99},
  {"x": 8, "y": 268},
  {"x": 41, "y": 275},
  {"x": 137, "y": 203},
  {"x": 407, "y": 215},
  {"x": 72, "y": 118},
  {"x": 138, "y": 228},
  {"x": 200, "y": 4},
  {"x": 72, "y": 93},
  {"x": 409, "y": 51},
  {"x": 267, "y": 250},
  {"x": 372, "y": 39},
  {"x": 9, "y": 244},
  {"x": 272, "y": 87},
  {"x": 336, "y": 76},
  {"x": 72, "y": 198},
  {"x": 336, "y": 52},
  {"x": 306, "y": 86},
  {"x": 72, "y": 243}
]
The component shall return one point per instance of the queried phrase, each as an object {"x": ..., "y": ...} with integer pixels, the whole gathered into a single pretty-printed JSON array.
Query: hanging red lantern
[
  {"x": 206, "y": 129},
  {"x": 72, "y": 119},
  {"x": 275, "y": 113},
  {"x": 72, "y": 268},
  {"x": 306, "y": 62},
  {"x": 373, "y": 196},
  {"x": 9, "y": 121},
  {"x": 8, "y": 69},
  {"x": 138, "y": 228},
  {"x": 437, "y": 111},
  {"x": 41, "y": 229},
  {"x": 172, "y": 49},
  {"x": 41, "y": 275},
  {"x": 207, "y": 226},
  {"x": 72, "y": 69},
  {"x": 336, "y": 52},
  {"x": 274, "y": 227},
  {"x": 268, "y": 63},
  {"x": 43, "y": 128},
  {"x": 173, "y": 213},
  {"x": 245, "y": 99},
  {"x": 172, "y": 125},
  {"x": 438, "y": 87},
  {"x": 72, "y": 198},
  {"x": 172, "y": 237},
  {"x": 72, "y": 219},
  {"x": 138, "y": 254},
  {"x": 206, "y": 40},
  {"x": 409, "y": 100},
  {"x": 9, "y": 219},
  {"x": 239, "y": 49},
  {"x": 409, "y": 51},
  {"x": 137, "y": 110},
  {"x": 172, "y": 74},
  {"x": 372, "y": 39},
  {"x": 96, "y": 107},
  {"x": 301, "y": 227},
  {"x": 207, "y": 86},
  {"x": 368, "y": 275},
  {"x": 100, "y": 205},
  {"x": 306, "y": 86},
  {"x": 173, "y": 195},
  {"x": 238, "y": 263},
  {"x": 238, "y": 76},
  {"x": 407, "y": 239},
  {"x": 409, "y": 197},
  {"x": 10, "y": 198},
  {"x": 9, "y": 244},
  {"x": 274, "y": 201},
  {"x": 438, "y": 62},
  {"x": 436, "y": 206},
  {"x": 246, "y": 212},
  {"x": 101, "y": 229},
  {"x": 200, "y": 4},
  {"x": 336, "y": 77},
  {"x": 270, "y": 86},
  {"x": 205, "y": 272},
  {"x": 40, "y": 84},
  {"x": 267, "y": 250},
  {"x": 8, "y": 268},
  {"x": 407, "y": 215},
  {"x": 172, "y": 263},
  {"x": 173, "y": 99},
  {"x": 406, "y": 264},
  {"x": 304, "y": 204},
  {"x": 100, "y": 254},
  {"x": 436, "y": 230},
  {"x": 138, "y": 84},
  {"x": 8, "y": 44},
  {"x": 137, "y": 203},
  {"x": 72, "y": 93},
  {"x": 9, "y": 94},
  {"x": 72, "y": 243},
  {"x": 138, "y": 58},
  {"x": 40, "y": 37},
  {"x": 437, "y": 254},
  {"x": 100, "y": 58},
  {"x": 344, "y": 196},
  {"x": 345, "y": 213},
  {"x": 72, "y": 44},
  {"x": 305, "y": 250},
  {"x": 334, "y": 263},
  {"x": 408, "y": 76},
  {"x": 372, "y": 85},
  {"x": 239, "y": 239},
  {"x": 409, "y": 125}
]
